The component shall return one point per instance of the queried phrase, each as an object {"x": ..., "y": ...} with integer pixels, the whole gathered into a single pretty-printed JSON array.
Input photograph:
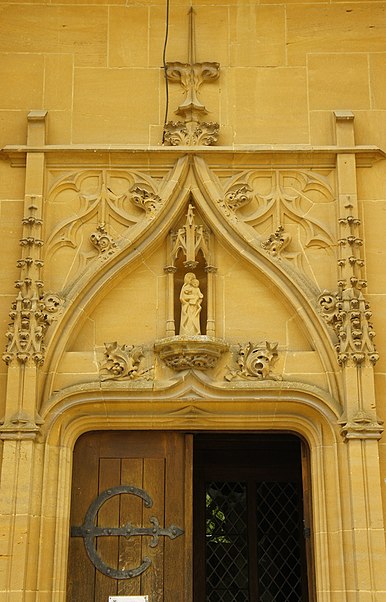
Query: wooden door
[{"x": 156, "y": 467}]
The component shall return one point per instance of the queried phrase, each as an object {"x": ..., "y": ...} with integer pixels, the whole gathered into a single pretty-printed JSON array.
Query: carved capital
[
  {"x": 170, "y": 269},
  {"x": 21, "y": 426},
  {"x": 361, "y": 426}
]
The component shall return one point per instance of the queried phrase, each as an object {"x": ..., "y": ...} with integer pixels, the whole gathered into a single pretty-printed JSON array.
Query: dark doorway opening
[{"x": 251, "y": 518}]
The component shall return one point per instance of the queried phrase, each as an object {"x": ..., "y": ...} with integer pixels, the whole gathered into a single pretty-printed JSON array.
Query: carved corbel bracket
[{"x": 190, "y": 352}]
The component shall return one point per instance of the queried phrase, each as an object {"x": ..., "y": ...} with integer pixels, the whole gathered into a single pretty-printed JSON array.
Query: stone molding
[{"x": 277, "y": 155}]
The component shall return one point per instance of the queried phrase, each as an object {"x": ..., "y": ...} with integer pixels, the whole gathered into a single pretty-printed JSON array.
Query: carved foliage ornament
[
  {"x": 179, "y": 133},
  {"x": 122, "y": 361},
  {"x": 146, "y": 199},
  {"x": 103, "y": 241},
  {"x": 348, "y": 313},
  {"x": 255, "y": 362},
  {"x": 33, "y": 310},
  {"x": 276, "y": 242}
]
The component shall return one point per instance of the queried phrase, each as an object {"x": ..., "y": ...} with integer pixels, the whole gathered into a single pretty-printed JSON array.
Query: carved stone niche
[{"x": 190, "y": 323}]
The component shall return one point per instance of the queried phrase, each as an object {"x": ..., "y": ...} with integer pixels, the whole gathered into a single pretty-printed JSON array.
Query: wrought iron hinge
[{"x": 89, "y": 531}]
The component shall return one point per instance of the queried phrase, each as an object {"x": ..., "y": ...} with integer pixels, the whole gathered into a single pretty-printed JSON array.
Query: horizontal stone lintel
[{"x": 263, "y": 154}]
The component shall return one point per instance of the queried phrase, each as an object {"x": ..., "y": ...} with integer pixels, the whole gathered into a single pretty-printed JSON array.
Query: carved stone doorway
[{"x": 251, "y": 519}]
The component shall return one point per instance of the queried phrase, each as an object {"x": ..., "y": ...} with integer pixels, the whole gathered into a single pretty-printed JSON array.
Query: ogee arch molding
[{"x": 197, "y": 184}]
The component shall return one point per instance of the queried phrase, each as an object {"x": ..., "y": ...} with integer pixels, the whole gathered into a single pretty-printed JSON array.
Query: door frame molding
[{"x": 192, "y": 405}]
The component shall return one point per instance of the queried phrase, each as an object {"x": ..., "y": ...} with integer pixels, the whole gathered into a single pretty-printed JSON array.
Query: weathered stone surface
[{"x": 268, "y": 185}]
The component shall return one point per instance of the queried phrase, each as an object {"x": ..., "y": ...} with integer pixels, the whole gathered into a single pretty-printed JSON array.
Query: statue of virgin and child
[{"x": 191, "y": 300}]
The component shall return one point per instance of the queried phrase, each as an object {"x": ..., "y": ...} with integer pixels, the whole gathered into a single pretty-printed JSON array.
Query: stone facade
[{"x": 265, "y": 178}]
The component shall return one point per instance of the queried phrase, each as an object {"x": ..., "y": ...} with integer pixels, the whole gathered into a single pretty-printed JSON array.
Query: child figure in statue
[{"x": 191, "y": 299}]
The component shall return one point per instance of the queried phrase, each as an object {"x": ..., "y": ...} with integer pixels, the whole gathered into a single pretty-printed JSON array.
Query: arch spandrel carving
[
  {"x": 183, "y": 185},
  {"x": 92, "y": 213}
]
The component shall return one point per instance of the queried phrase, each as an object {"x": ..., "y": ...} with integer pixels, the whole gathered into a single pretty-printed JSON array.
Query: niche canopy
[{"x": 190, "y": 323}]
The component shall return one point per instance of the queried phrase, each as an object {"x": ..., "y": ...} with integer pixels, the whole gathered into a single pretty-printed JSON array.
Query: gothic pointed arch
[{"x": 189, "y": 182}]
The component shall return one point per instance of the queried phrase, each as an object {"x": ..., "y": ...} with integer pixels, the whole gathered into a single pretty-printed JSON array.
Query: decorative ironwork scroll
[{"x": 89, "y": 531}]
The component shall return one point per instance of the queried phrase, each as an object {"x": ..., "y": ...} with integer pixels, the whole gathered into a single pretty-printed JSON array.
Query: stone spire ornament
[{"x": 191, "y": 130}]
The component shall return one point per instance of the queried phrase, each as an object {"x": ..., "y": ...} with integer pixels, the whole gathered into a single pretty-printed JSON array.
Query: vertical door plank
[
  {"x": 130, "y": 512},
  {"x": 188, "y": 517},
  {"x": 108, "y": 516},
  {"x": 174, "y": 558},
  {"x": 84, "y": 487},
  {"x": 153, "y": 482}
]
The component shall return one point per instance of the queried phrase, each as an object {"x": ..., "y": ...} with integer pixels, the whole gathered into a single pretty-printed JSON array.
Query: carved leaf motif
[
  {"x": 277, "y": 242},
  {"x": 179, "y": 133},
  {"x": 348, "y": 313},
  {"x": 176, "y": 133},
  {"x": 301, "y": 202},
  {"x": 84, "y": 202},
  {"x": 122, "y": 361},
  {"x": 145, "y": 199},
  {"x": 255, "y": 361}
]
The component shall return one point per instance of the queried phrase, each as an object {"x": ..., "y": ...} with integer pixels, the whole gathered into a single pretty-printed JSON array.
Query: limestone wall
[{"x": 285, "y": 67}]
